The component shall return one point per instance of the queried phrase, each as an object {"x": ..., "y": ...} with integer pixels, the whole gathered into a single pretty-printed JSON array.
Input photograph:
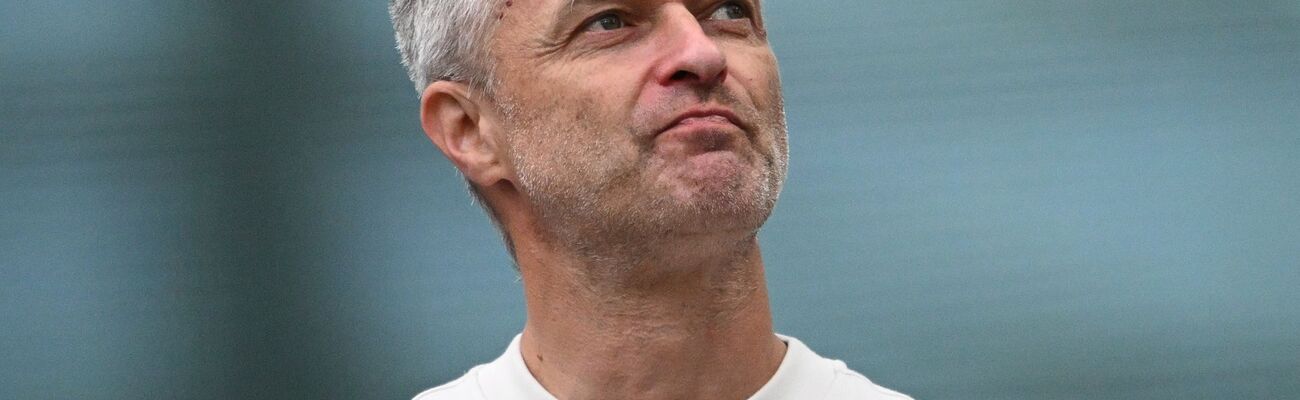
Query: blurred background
[{"x": 987, "y": 200}]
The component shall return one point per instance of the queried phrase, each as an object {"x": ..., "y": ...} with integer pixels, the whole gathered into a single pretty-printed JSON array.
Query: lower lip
[{"x": 686, "y": 129}]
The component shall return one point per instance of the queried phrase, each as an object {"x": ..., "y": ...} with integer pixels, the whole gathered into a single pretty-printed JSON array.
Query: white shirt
[{"x": 803, "y": 375}]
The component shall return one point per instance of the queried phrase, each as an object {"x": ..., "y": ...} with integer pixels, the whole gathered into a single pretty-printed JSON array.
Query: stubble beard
[{"x": 596, "y": 201}]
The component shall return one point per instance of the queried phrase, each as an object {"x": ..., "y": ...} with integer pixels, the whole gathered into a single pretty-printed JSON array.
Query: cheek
[
  {"x": 573, "y": 140},
  {"x": 759, "y": 73}
]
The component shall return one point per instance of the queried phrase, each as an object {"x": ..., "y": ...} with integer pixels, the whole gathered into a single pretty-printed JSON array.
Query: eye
[
  {"x": 730, "y": 10},
  {"x": 607, "y": 22}
]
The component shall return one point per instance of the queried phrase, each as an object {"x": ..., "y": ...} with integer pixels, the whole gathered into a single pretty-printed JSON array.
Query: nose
[{"x": 689, "y": 55}]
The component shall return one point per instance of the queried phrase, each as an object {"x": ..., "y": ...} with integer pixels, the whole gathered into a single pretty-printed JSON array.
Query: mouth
[{"x": 705, "y": 118}]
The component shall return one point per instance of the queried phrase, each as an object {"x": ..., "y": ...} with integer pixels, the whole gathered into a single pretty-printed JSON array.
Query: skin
[{"x": 631, "y": 161}]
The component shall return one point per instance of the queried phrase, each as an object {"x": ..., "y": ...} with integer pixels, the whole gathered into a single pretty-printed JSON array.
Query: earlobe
[{"x": 453, "y": 120}]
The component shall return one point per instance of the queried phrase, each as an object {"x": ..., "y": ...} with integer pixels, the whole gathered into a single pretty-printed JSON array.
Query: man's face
[{"x": 631, "y": 119}]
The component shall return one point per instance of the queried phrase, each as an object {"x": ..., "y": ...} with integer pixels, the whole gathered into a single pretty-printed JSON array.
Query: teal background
[{"x": 987, "y": 200}]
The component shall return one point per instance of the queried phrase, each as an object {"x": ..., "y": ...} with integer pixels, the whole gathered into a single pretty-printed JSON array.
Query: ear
[{"x": 455, "y": 122}]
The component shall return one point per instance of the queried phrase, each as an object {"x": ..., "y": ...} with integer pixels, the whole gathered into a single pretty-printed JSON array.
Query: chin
[
  {"x": 729, "y": 193},
  {"x": 722, "y": 208}
]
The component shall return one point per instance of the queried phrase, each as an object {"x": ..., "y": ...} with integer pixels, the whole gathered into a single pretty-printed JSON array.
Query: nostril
[{"x": 683, "y": 75}]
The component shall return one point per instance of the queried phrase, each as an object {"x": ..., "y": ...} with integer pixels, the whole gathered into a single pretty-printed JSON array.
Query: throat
[{"x": 650, "y": 332}]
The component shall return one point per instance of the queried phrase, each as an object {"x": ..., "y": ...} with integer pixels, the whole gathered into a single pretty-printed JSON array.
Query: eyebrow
[
  {"x": 574, "y": 4},
  {"x": 566, "y": 12}
]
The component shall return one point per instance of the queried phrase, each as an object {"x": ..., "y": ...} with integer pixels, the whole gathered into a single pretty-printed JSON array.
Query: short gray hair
[{"x": 445, "y": 40}]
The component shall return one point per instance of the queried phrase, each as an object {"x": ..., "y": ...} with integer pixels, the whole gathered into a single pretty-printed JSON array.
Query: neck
[{"x": 667, "y": 327}]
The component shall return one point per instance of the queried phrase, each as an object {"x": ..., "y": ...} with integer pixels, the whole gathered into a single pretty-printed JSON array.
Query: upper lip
[{"x": 705, "y": 111}]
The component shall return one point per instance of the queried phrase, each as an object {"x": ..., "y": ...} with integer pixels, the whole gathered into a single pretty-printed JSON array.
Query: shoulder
[
  {"x": 464, "y": 388},
  {"x": 849, "y": 384}
]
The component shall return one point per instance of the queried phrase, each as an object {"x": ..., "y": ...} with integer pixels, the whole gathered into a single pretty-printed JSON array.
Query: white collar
[
  {"x": 802, "y": 374},
  {"x": 508, "y": 377}
]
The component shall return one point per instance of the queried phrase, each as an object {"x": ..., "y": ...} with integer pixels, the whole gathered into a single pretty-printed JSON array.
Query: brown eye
[
  {"x": 729, "y": 11},
  {"x": 607, "y": 22}
]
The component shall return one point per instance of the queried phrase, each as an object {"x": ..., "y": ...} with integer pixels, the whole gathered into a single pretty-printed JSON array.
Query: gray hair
[
  {"x": 447, "y": 40},
  {"x": 444, "y": 40}
]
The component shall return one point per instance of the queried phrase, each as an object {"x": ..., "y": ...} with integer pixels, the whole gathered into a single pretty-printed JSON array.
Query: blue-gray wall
[{"x": 987, "y": 200}]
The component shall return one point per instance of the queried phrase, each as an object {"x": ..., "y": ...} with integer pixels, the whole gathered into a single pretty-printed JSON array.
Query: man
[{"x": 629, "y": 150}]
